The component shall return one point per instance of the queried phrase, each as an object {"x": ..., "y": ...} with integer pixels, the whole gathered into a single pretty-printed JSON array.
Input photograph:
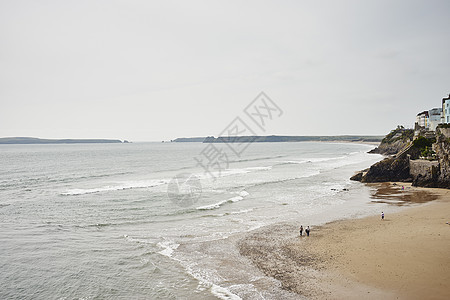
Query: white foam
[
  {"x": 259, "y": 168},
  {"x": 231, "y": 172},
  {"x": 206, "y": 279},
  {"x": 212, "y": 206},
  {"x": 169, "y": 247},
  {"x": 323, "y": 159},
  {"x": 133, "y": 240},
  {"x": 236, "y": 199},
  {"x": 296, "y": 162},
  {"x": 242, "y": 211},
  {"x": 123, "y": 186},
  {"x": 223, "y": 173},
  {"x": 241, "y": 196},
  {"x": 223, "y": 293}
]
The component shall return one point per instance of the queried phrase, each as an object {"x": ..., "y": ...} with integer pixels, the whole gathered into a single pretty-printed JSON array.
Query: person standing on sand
[
  {"x": 301, "y": 230},
  {"x": 307, "y": 231},
  {"x": 382, "y": 215}
]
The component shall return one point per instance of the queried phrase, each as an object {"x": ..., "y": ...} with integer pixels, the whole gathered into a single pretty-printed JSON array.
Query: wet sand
[{"x": 405, "y": 256}]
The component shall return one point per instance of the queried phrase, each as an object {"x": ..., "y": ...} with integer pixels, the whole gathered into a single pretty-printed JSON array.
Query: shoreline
[{"x": 404, "y": 256}]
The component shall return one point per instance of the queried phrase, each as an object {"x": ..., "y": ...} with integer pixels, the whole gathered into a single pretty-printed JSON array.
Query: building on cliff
[
  {"x": 445, "y": 115},
  {"x": 422, "y": 120},
  {"x": 428, "y": 120},
  {"x": 434, "y": 116}
]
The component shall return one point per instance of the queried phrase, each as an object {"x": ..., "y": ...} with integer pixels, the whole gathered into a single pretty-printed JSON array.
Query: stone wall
[
  {"x": 422, "y": 167},
  {"x": 445, "y": 132}
]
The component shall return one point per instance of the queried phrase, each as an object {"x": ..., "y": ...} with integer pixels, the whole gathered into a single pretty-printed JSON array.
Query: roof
[
  {"x": 445, "y": 99},
  {"x": 423, "y": 113}
]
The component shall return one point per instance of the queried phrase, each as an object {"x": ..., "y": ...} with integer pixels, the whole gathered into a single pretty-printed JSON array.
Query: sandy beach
[{"x": 404, "y": 256}]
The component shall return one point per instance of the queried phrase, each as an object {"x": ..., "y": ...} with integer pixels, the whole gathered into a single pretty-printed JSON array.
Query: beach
[
  {"x": 404, "y": 256},
  {"x": 65, "y": 226}
]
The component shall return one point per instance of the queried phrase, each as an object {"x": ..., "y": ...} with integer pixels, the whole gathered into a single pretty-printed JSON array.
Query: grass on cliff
[
  {"x": 400, "y": 133},
  {"x": 422, "y": 147}
]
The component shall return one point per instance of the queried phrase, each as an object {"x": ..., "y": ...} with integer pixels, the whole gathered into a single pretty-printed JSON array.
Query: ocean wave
[
  {"x": 32, "y": 181},
  {"x": 315, "y": 173},
  {"x": 257, "y": 159},
  {"x": 231, "y": 172},
  {"x": 311, "y": 160},
  {"x": 292, "y": 162},
  {"x": 168, "y": 248},
  {"x": 206, "y": 280},
  {"x": 138, "y": 241},
  {"x": 118, "y": 223},
  {"x": 324, "y": 159},
  {"x": 212, "y": 206},
  {"x": 242, "y": 211},
  {"x": 124, "y": 186},
  {"x": 355, "y": 152},
  {"x": 92, "y": 176},
  {"x": 268, "y": 168},
  {"x": 223, "y": 293},
  {"x": 241, "y": 196},
  {"x": 236, "y": 199}
]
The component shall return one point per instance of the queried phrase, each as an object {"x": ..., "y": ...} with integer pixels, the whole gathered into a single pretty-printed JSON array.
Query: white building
[
  {"x": 445, "y": 116},
  {"x": 434, "y": 118},
  {"x": 422, "y": 119}
]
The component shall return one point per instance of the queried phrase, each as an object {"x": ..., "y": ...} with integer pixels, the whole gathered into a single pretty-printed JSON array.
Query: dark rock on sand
[
  {"x": 394, "y": 141},
  {"x": 425, "y": 161}
]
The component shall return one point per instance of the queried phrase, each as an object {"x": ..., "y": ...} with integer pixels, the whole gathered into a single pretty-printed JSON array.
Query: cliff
[
  {"x": 394, "y": 141},
  {"x": 424, "y": 162},
  {"x": 437, "y": 174}
]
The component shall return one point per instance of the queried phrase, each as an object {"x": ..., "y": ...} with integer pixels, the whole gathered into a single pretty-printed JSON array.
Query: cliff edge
[
  {"x": 394, "y": 141},
  {"x": 424, "y": 161}
]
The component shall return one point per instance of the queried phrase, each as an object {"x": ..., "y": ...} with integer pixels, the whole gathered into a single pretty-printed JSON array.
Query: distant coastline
[
  {"x": 281, "y": 138},
  {"x": 31, "y": 140}
]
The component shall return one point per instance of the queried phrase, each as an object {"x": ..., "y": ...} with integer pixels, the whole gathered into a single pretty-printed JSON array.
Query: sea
[{"x": 161, "y": 220}]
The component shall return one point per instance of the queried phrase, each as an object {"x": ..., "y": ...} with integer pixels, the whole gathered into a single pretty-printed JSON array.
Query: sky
[{"x": 158, "y": 70}]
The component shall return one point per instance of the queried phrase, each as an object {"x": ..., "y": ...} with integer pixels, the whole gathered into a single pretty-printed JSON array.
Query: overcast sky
[{"x": 157, "y": 70}]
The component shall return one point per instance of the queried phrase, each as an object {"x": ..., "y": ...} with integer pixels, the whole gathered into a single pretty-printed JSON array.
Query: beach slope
[{"x": 404, "y": 256}]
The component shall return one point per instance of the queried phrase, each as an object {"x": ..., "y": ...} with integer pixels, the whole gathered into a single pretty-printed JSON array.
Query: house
[
  {"x": 434, "y": 118},
  {"x": 428, "y": 120},
  {"x": 422, "y": 120},
  {"x": 445, "y": 116}
]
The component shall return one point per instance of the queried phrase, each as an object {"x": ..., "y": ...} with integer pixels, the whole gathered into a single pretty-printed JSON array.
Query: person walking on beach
[
  {"x": 301, "y": 230},
  {"x": 382, "y": 215},
  {"x": 307, "y": 231}
]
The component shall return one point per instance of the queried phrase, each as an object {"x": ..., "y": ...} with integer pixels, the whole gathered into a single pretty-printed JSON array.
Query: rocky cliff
[
  {"x": 394, "y": 141},
  {"x": 438, "y": 175},
  {"x": 424, "y": 162}
]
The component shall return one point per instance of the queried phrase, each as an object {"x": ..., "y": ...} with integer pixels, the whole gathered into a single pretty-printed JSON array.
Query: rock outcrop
[
  {"x": 438, "y": 174},
  {"x": 394, "y": 141},
  {"x": 424, "y": 162},
  {"x": 389, "y": 169}
]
